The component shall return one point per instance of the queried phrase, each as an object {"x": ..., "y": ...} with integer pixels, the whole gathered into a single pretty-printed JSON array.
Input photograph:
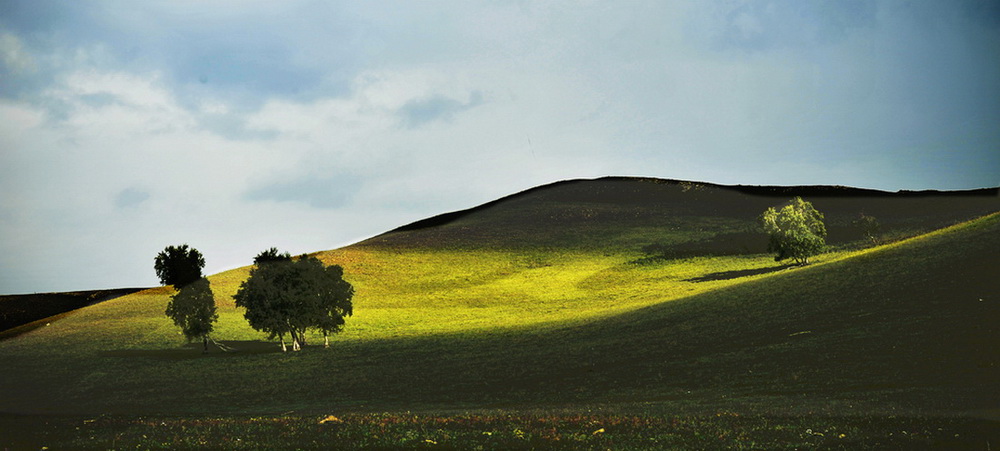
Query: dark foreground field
[{"x": 503, "y": 431}]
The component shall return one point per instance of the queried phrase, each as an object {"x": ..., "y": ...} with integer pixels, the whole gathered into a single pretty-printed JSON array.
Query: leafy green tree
[
  {"x": 179, "y": 265},
  {"x": 193, "y": 310},
  {"x": 869, "y": 226},
  {"x": 265, "y": 297},
  {"x": 796, "y": 231},
  {"x": 271, "y": 255},
  {"x": 329, "y": 296},
  {"x": 283, "y": 296}
]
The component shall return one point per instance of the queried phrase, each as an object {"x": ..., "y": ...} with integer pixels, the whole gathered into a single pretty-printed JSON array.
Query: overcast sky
[{"x": 235, "y": 126}]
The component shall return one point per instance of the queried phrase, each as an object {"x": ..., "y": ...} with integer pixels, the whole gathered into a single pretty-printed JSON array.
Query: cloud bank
[{"x": 237, "y": 126}]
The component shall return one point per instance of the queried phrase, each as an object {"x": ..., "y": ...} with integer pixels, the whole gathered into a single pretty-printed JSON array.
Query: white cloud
[
  {"x": 17, "y": 119},
  {"x": 65, "y": 176},
  {"x": 145, "y": 92},
  {"x": 483, "y": 148},
  {"x": 14, "y": 56},
  {"x": 155, "y": 129}
]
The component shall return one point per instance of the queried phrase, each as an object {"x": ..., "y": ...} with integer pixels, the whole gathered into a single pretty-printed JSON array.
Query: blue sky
[{"x": 235, "y": 126}]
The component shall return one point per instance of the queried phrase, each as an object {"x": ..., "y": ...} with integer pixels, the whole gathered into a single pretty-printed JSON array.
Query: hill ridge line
[{"x": 752, "y": 190}]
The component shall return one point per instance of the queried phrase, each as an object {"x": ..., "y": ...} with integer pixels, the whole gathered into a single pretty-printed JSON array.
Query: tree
[
  {"x": 331, "y": 297},
  {"x": 869, "y": 226},
  {"x": 264, "y": 296},
  {"x": 179, "y": 265},
  {"x": 283, "y": 296},
  {"x": 193, "y": 310},
  {"x": 796, "y": 231},
  {"x": 271, "y": 255}
]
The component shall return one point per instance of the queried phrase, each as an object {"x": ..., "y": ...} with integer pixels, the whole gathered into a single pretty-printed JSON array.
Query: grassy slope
[
  {"x": 19, "y": 310},
  {"x": 627, "y": 214},
  {"x": 442, "y": 326}
]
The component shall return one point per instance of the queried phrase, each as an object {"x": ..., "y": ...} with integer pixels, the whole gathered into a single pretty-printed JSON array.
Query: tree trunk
[
  {"x": 326, "y": 340},
  {"x": 204, "y": 341},
  {"x": 295, "y": 345},
  {"x": 281, "y": 338}
]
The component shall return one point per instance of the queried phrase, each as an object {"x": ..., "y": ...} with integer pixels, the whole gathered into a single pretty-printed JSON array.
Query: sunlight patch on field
[{"x": 421, "y": 292}]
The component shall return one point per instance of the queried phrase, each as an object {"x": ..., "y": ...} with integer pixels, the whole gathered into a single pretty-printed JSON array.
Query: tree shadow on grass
[
  {"x": 194, "y": 350},
  {"x": 727, "y": 275}
]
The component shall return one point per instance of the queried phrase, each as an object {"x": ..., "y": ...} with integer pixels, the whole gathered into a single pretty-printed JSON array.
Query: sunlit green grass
[
  {"x": 422, "y": 292},
  {"x": 436, "y": 295},
  {"x": 457, "y": 330}
]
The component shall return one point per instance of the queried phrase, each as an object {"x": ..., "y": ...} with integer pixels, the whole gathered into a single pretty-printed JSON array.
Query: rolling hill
[
  {"x": 611, "y": 295},
  {"x": 633, "y": 212},
  {"x": 21, "y": 309}
]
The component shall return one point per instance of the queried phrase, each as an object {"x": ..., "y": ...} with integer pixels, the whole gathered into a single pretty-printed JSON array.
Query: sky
[{"x": 235, "y": 126}]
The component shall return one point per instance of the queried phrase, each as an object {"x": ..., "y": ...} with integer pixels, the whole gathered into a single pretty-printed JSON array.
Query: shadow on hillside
[
  {"x": 726, "y": 275},
  {"x": 732, "y": 243},
  {"x": 194, "y": 350}
]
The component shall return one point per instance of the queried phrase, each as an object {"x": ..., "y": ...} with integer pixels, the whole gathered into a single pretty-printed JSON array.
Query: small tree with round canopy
[
  {"x": 796, "y": 231},
  {"x": 192, "y": 309},
  {"x": 178, "y": 265}
]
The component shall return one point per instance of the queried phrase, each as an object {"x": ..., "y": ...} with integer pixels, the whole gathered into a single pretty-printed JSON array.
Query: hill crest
[
  {"x": 752, "y": 190},
  {"x": 588, "y": 209}
]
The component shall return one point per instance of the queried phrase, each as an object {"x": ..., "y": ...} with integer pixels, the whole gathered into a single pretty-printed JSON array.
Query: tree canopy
[
  {"x": 285, "y": 296},
  {"x": 271, "y": 255},
  {"x": 869, "y": 226},
  {"x": 179, "y": 265},
  {"x": 796, "y": 231},
  {"x": 193, "y": 310}
]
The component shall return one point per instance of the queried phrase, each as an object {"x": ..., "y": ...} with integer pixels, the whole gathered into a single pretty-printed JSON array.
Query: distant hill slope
[
  {"x": 635, "y": 212},
  {"x": 20, "y": 309}
]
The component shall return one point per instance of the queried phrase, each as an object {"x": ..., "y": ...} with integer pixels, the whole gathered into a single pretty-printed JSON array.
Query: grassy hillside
[
  {"x": 19, "y": 310},
  {"x": 470, "y": 314},
  {"x": 686, "y": 218}
]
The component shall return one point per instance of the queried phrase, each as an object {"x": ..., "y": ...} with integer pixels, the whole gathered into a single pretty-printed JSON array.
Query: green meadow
[{"x": 623, "y": 314}]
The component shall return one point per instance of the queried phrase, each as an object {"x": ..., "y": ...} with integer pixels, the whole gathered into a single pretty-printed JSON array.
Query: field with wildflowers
[
  {"x": 504, "y": 431},
  {"x": 545, "y": 321}
]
